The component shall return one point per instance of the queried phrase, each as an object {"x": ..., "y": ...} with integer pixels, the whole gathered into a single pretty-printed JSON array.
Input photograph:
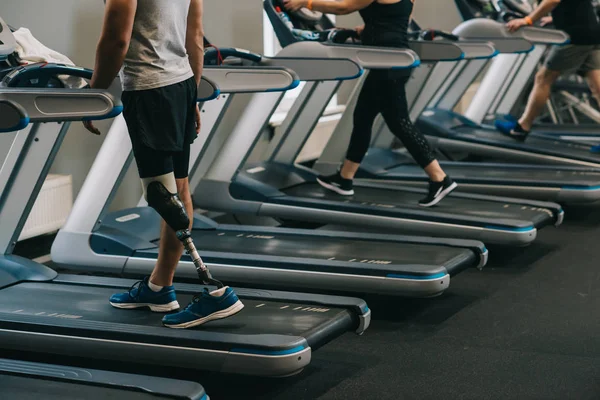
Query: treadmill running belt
[
  {"x": 91, "y": 304},
  {"x": 305, "y": 247},
  {"x": 406, "y": 201},
  {"x": 534, "y": 144},
  {"x": 23, "y": 388},
  {"x": 512, "y": 174}
]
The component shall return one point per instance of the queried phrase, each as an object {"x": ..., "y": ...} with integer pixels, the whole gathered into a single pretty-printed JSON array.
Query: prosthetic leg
[{"x": 170, "y": 207}]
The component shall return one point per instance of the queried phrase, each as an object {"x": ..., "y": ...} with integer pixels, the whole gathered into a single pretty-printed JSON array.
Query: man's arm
[
  {"x": 194, "y": 40},
  {"x": 545, "y": 7},
  {"x": 337, "y": 7},
  {"x": 114, "y": 41}
]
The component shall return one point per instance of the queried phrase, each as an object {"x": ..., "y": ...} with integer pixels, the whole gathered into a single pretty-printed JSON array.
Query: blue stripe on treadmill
[
  {"x": 23, "y": 122},
  {"x": 414, "y": 65},
  {"x": 215, "y": 94},
  {"x": 205, "y": 397},
  {"x": 597, "y": 187},
  {"x": 365, "y": 309},
  {"x": 349, "y": 78},
  {"x": 509, "y": 229},
  {"x": 243, "y": 350},
  {"x": 417, "y": 277},
  {"x": 494, "y": 54}
]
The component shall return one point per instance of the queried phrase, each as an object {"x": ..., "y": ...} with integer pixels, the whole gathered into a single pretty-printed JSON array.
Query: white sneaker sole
[
  {"x": 172, "y": 306},
  {"x": 228, "y": 312},
  {"x": 335, "y": 188},
  {"x": 441, "y": 196}
]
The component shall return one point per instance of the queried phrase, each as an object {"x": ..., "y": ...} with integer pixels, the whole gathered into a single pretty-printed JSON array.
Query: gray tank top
[{"x": 157, "y": 56}]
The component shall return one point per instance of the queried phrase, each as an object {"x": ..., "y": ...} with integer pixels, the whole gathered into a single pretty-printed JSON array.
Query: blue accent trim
[
  {"x": 506, "y": 228},
  {"x": 349, "y": 78},
  {"x": 484, "y": 250},
  {"x": 23, "y": 122},
  {"x": 216, "y": 94},
  {"x": 494, "y": 54},
  {"x": 414, "y": 65},
  {"x": 416, "y": 277},
  {"x": 293, "y": 85},
  {"x": 113, "y": 113},
  {"x": 597, "y": 187},
  {"x": 243, "y": 350},
  {"x": 205, "y": 397},
  {"x": 365, "y": 309}
]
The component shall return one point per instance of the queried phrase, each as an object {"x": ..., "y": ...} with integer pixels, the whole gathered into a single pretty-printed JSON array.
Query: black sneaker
[
  {"x": 437, "y": 191},
  {"x": 336, "y": 184}
]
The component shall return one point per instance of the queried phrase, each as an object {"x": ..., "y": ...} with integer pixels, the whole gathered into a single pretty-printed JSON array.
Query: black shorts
[{"x": 162, "y": 125}]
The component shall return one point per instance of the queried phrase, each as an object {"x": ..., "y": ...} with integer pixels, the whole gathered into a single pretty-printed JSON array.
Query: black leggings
[{"x": 386, "y": 95}]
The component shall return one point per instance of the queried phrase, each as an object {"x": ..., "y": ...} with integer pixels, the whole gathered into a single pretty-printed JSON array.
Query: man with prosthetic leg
[{"x": 160, "y": 79}]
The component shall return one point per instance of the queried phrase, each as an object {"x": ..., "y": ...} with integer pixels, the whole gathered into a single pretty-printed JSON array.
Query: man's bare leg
[
  {"x": 593, "y": 79},
  {"x": 544, "y": 79},
  {"x": 170, "y": 247}
]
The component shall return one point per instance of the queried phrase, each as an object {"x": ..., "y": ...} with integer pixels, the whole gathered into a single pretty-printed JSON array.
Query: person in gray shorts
[{"x": 579, "y": 19}]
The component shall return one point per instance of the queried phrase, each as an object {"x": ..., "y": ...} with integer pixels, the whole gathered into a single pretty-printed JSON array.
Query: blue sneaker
[
  {"x": 140, "y": 295},
  {"x": 206, "y": 306},
  {"x": 511, "y": 128}
]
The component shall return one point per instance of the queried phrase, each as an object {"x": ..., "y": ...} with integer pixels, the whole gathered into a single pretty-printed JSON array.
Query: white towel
[{"x": 31, "y": 50}]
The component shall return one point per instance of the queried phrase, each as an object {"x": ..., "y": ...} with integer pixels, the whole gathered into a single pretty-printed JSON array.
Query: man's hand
[
  {"x": 359, "y": 29},
  {"x": 294, "y": 5},
  {"x": 546, "y": 21},
  {"x": 198, "y": 121},
  {"x": 516, "y": 24},
  {"x": 89, "y": 125}
]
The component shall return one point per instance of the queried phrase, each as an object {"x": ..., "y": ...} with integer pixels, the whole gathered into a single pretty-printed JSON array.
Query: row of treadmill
[{"x": 378, "y": 241}]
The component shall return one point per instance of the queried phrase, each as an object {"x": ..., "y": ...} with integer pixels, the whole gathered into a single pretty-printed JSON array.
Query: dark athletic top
[
  {"x": 386, "y": 24},
  {"x": 579, "y": 19}
]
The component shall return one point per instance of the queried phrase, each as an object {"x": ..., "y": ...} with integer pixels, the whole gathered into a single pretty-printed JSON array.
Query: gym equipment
[
  {"x": 125, "y": 241},
  {"x": 451, "y": 132},
  {"x": 70, "y": 315},
  {"x": 280, "y": 189},
  {"x": 565, "y": 185}
]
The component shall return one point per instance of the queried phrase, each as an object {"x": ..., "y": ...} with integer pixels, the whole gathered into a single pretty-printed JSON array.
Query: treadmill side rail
[{"x": 128, "y": 382}]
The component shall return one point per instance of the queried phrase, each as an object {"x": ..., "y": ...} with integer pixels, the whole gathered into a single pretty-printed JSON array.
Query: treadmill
[
  {"x": 565, "y": 185},
  {"x": 126, "y": 241},
  {"x": 452, "y": 132},
  {"x": 23, "y": 379},
  {"x": 522, "y": 72},
  {"x": 69, "y": 315},
  {"x": 278, "y": 188}
]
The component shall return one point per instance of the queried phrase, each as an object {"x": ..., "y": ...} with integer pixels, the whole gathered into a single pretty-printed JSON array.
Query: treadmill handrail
[
  {"x": 368, "y": 57},
  {"x": 483, "y": 28},
  {"x": 433, "y": 51},
  {"x": 207, "y": 89},
  {"x": 477, "y": 49},
  {"x": 252, "y": 79},
  {"x": 13, "y": 116},
  {"x": 51, "y": 105}
]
